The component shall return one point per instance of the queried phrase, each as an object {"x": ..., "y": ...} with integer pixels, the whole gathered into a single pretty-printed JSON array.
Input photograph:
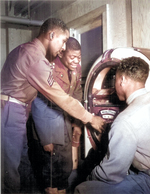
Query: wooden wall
[
  {"x": 13, "y": 35},
  {"x": 141, "y": 23},
  {"x": 125, "y": 22}
]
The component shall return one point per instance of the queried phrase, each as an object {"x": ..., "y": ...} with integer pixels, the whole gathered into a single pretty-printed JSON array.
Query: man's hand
[
  {"x": 49, "y": 148},
  {"x": 50, "y": 190},
  {"x": 98, "y": 123}
]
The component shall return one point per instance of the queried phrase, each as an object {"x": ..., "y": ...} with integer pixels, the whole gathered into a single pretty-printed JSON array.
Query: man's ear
[
  {"x": 123, "y": 80},
  {"x": 51, "y": 35}
]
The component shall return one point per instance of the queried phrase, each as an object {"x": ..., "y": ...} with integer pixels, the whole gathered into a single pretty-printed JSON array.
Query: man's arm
[
  {"x": 120, "y": 154},
  {"x": 39, "y": 78},
  {"x": 73, "y": 107}
]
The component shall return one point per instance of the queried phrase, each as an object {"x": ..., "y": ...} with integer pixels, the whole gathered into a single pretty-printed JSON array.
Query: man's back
[
  {"x": 129, "y": 140},
  {"x": 137, "y": 115}
]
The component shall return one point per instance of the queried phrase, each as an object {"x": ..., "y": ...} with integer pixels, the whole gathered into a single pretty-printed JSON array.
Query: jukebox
[{"x": 99, "y": 93}]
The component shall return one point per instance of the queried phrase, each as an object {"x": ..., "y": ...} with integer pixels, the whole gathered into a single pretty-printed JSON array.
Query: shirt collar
[
  {"x": 136, "y": 94},
  {"x": 59, "y": 67}
]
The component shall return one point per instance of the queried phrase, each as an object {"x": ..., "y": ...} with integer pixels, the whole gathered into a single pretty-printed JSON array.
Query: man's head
[
  {"x": 54, "y": 35},
  {"x": 71, "y": 57},
  {"x": 131, "y": 75}
]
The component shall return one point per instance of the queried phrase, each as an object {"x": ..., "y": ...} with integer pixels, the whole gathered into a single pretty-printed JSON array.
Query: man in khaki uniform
[{"x": 25, "y": 72}]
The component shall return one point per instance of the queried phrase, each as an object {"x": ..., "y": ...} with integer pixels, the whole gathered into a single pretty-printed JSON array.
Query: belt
[{"x": 8, "y": 98}]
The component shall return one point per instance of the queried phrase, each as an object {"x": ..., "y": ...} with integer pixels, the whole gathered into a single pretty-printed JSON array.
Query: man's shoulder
[
  {"x": 136, "y": 107},
  {"x": 145, "y": 98},
  {"x": 30, "y": 46},
  {"x": 33, "y": 50}
]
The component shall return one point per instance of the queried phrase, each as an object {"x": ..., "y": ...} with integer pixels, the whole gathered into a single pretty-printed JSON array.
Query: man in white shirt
[{"x": 129, "y": 137}]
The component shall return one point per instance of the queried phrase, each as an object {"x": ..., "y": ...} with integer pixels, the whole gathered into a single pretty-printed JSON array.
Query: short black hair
[
  {"x": 73, "y": 44},
  {"x": 135, "y": 68},
  {"x": 51, "y": 24}
]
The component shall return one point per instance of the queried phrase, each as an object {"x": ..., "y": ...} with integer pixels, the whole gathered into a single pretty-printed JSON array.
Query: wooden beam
[
  {"x": 88, "y": 18},
  {"x": 93, "y": 24}
]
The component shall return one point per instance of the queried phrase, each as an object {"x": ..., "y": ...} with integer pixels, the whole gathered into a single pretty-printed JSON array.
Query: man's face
[
  {"x": 58, "y": 42},
  {"x": 119, "y": 86},
  {"x": 71, "y": 58}
]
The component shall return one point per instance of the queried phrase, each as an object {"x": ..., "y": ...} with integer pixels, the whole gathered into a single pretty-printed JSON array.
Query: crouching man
[{"x": 129, "y": 137}]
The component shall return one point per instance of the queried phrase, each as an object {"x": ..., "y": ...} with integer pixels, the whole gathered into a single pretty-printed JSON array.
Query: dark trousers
[
  {"x": 84, "y": 169},
  {"x": 13, "y": 136},
  {"x": 51, "y": 171},
  {"x": 133, "y": 183}
]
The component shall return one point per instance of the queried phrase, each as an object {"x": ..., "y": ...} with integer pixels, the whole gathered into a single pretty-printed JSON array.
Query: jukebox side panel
[{"x": 103, "y": 101}]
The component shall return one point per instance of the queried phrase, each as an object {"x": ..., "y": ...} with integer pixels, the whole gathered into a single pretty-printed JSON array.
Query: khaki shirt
[
  {"x": 60, "y": 75},
  {"x": 27, "y": 71}
]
